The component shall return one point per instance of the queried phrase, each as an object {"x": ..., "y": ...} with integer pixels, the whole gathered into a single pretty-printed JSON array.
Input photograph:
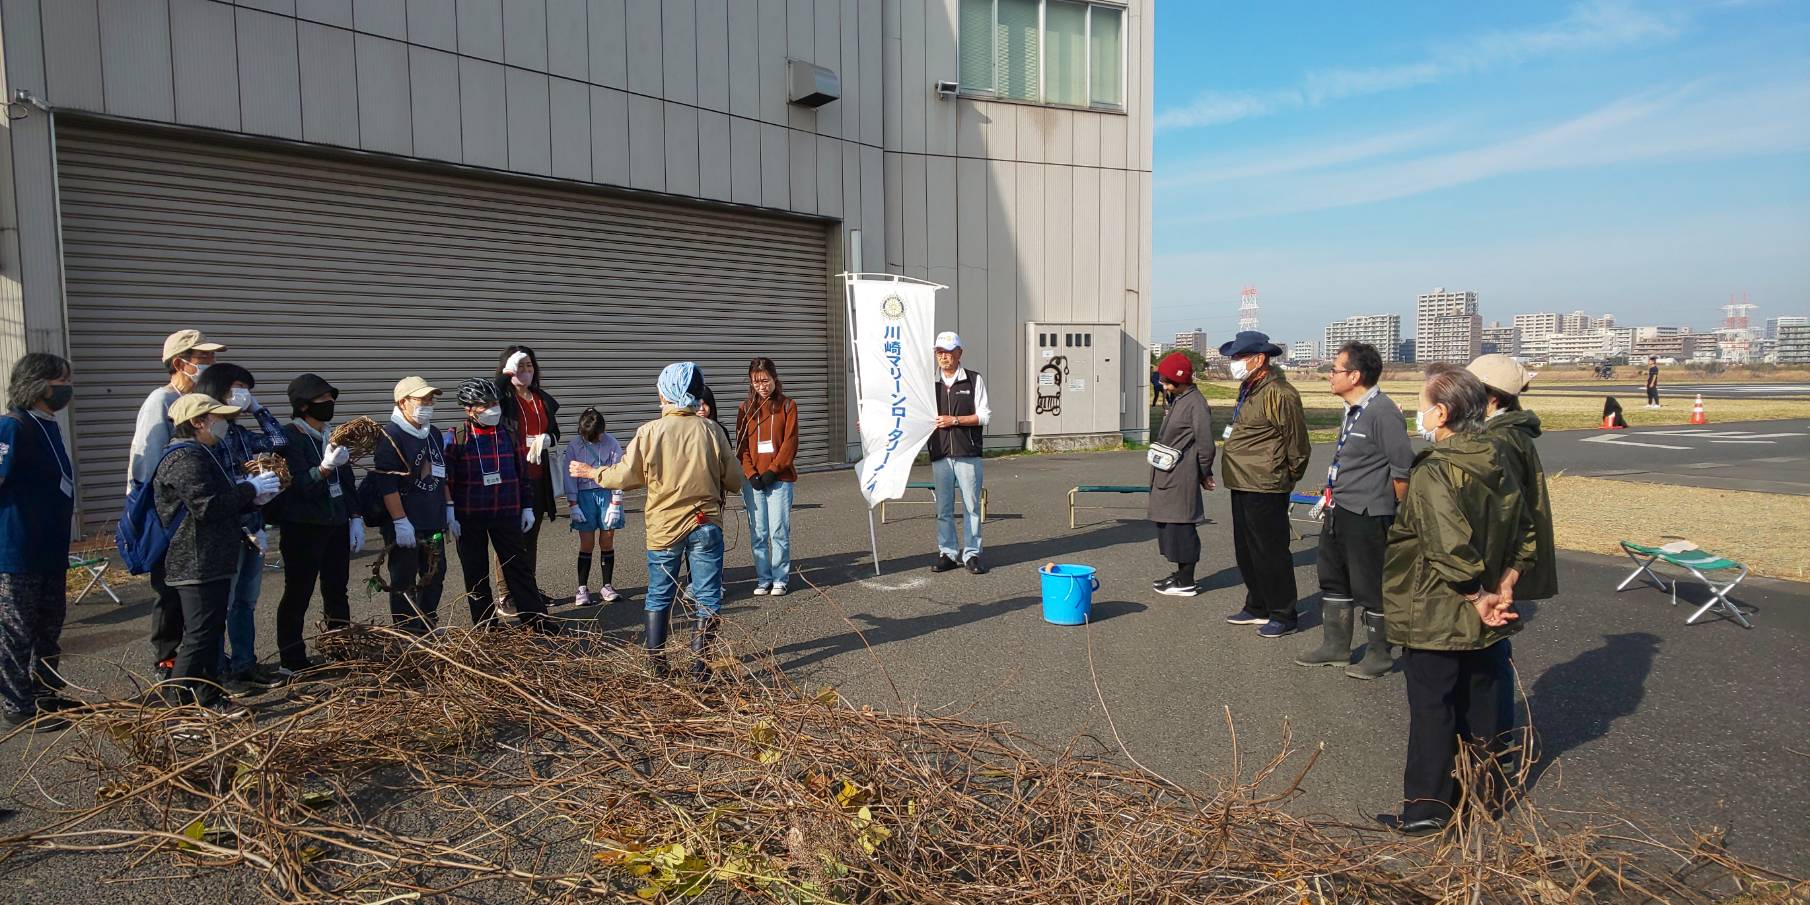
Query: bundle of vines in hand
[{"x": 358, "y": 436}]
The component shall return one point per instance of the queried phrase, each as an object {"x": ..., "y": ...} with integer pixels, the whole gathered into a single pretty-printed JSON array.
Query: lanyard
[
  {"x": 67, "y": 470},
  {"x": 1352, "y": 414},
  {"x": 496, "y": 454}
]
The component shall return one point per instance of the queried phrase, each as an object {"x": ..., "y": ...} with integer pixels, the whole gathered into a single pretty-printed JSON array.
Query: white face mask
[
  {"x": 489, "y": 417},
  {"x": 241, "y": 398},
  {"x": 218, "y": 427},
  {"x": 1240, "y": 370},
  {"x": 424, "y": 415},
  {"x": 523, "y": 379},
  {"x": 1420, "y": 424}
]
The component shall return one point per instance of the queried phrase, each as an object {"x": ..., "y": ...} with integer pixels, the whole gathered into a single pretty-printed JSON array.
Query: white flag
[{"x": 895, "y": 369}]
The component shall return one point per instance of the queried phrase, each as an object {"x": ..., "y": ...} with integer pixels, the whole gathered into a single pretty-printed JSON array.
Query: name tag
[
  {"x": 335, "y": 491},
  {"x": 67, "y": 486},
  {"x": 437, "y": 470},
  {"x": 493, "y": 478},
  {"x": 1227, "y": 434},
  {"x": 764, "y": 447}
]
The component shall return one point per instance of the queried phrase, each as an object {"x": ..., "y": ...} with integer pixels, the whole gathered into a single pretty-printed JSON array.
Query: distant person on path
[
  {"x": 1156, "y": 385},
  {"x": 1652, "y": 381},
  {"x": 962, "y": 411},
  {"x": 1265, "y": 455},
  {"x": 1181, "y": 466},
  {"x": 1457, "y": 533},
  {"x": 766, "y": 436},
  {"x": 37, "y": 498},
  {"x": 1368, "y": 475}
]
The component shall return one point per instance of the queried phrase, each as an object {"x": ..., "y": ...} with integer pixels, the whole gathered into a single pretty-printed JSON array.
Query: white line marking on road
[
  {"x": 909, "y": 584},
  {"x": 1744, "y": 441},
  {"x": 1613, "y": 440}
]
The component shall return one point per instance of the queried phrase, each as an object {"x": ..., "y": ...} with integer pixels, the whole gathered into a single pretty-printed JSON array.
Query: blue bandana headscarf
[{"x": 676, "y": 382}]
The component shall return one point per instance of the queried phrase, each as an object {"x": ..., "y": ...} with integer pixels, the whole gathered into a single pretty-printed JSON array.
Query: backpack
[
  {"x": 370, "y": 498},
  {"x": 142, "y": 537}
]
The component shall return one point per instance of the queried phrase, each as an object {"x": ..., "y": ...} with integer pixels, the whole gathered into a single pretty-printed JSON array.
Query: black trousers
[
  {"x": 1652, "y": 395},
  {"x": 530, "y": 557},
  {"x": 1260, "y": 544},
  {"x": 1454, "y": 695},
  {"x": 477, "y": 538},
  {"x": 418, "y": 611},
  {"x": 311, "y": 553},
  {"x": 1351, "y": 557},
  {"x": 1179, "y": 542},
  {"x": 203, "y": 637},
  {"x": 166, "y": 618}
]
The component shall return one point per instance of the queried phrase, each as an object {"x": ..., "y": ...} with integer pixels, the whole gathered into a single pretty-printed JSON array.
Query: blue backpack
[{"x": 142, "y": 537}]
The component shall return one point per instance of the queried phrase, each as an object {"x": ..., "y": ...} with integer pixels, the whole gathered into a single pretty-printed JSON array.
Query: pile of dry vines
[{"x": 510, "y": 766}]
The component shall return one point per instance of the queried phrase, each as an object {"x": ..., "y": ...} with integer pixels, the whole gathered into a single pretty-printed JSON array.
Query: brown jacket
[
  {"x": 1268, "y": 449},
  {"x": 775, "y": 423},
  {"x": 686, "y": 465}
]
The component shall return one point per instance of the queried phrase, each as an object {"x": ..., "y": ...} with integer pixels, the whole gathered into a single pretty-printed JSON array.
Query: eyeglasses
[{"x": 1344, "y": 370}]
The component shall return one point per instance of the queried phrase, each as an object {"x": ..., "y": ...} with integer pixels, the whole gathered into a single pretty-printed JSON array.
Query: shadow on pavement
[
  {"x": 1574, "y": 703},
  {"x": 880, "y": 630}
]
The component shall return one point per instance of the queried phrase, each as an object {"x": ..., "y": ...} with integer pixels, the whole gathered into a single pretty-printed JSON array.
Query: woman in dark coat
[
  {"x": 532, "y": 417},
  {"x": 1181, "y": 466}
]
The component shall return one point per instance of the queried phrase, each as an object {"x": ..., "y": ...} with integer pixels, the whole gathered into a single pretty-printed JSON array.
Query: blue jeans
[
  {"x": 241, "y": 615},
  {"x": 770, "y": 527},
  {"x": 703, "y": 550},
  {"x": 948, "y": 474}
]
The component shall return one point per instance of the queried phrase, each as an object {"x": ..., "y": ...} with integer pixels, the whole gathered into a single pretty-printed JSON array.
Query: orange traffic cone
[
  {"x": 1697, "y": 416},
  {"x": 1609, "y": 423}
]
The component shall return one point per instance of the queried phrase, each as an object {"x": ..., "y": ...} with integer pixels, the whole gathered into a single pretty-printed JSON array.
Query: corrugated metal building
[{"x": 373, "y": 188}]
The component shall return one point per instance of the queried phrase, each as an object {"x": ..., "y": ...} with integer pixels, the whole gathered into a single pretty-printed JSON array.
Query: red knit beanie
[{"x": 1176, "y": 368}]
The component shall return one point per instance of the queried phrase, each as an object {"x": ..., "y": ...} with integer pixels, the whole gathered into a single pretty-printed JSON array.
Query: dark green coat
[
  {"x": 309, "y": 500},
  {"x": 1460, "y": 526},
  {"x": 1515, "y": 433},
  {"x": 1268, "y": 449}
]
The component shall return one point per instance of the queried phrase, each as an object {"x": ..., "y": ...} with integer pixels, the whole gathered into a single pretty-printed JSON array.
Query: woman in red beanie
[{"x": 1181, "y": 466}]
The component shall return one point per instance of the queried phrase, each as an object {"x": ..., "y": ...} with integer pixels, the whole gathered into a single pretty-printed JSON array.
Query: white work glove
[
  {"x": 335, "y": 456},
  {"x": 263, "y": 541},
  {"x": 577, "y": 514},
  {"x": 537, "y": 447},
  {"x": 452, "y": 522},
  {"x": 527, "y": 520},
  {"x": 265, "y": 485},
  {"x": 405, "y": 533},
  {"x": 356, "y": 535}
]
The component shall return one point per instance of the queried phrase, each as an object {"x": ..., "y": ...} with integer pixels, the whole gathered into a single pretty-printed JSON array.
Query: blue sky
[{"x": 1643, "y": 158}]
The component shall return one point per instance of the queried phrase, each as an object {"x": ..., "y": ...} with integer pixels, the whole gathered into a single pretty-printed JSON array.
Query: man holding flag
[{"x": 961, "y": 412}]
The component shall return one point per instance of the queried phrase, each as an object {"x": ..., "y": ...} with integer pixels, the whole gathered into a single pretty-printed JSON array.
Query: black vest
[{"x": 955, "y": 442}]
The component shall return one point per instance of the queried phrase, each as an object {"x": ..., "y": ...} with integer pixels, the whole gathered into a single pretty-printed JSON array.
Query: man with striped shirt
[{"x": 1265, "y": 455}]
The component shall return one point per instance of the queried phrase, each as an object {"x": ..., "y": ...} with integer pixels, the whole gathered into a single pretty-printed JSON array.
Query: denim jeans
[
  {"x": 241, "y": 616},
  {"x": 703, "y": 550},
  {"x": 770, "y": 527},
  {"x": 948, "y": 474}
]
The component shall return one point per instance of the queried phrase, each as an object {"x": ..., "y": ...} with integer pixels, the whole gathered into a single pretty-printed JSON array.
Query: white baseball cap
[{"x": 948, "y": 341}]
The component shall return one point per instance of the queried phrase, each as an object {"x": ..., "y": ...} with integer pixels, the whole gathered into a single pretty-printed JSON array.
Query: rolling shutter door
[{"x": 365, "y": 273}]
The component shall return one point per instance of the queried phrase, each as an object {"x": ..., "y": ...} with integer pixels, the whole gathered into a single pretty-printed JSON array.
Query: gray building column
[{"x": 32, "y": 316}]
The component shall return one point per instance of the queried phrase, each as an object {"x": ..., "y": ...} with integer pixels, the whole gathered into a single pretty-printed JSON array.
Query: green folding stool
[{"x": 1695, "y": 561}]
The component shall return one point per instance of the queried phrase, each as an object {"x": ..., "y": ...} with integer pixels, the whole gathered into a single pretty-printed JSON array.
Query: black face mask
[
  {"x": 321, "y": 411},
  {"x": 60, "y": 396}
]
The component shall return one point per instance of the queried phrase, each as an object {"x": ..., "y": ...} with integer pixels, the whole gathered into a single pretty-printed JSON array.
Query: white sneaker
[
  {"x": 760, "y": 590},
  {"x": 610, "y": 594},
  {"x": 583, "y": 597},
  {"x": 779, "y": 590}
]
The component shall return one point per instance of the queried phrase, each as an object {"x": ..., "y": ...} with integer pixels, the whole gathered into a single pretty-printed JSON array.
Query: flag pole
[{"x": 854, "y": 353}]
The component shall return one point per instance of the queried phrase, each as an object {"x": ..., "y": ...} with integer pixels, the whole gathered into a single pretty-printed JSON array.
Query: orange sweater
[{"x": 770, "y": 423}]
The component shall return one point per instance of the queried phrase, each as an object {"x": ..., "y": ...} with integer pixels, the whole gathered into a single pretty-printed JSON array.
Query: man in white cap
[
  {"x": 186, "y": 353},
  {"x": 955, "y": 446}
]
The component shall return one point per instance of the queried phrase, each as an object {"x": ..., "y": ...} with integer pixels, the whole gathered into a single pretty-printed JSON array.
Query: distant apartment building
[
  {"x": 1380, "y": 330},
  {"x": 1789, "y": 320},
  {"x": 1621, "y": 339},
  {"x": 1677, "y": 343},
  {"x": 1405, "y": 351},
  {"x": 1194, "y": 340},
  {"x": 1793, "y": 340},
  {"x": 1534, "y": 328},
  {"x": 1303, "y": 351},
  {"x": 1575, "y": 323},
  {"x": 1447, "y": 327},
  {"x": 1501, "y": 339},
  {"x": 1590, "y": 345}
]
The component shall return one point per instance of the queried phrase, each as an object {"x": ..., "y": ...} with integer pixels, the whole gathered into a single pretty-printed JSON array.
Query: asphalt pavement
[
  {"x": 1671, "y": 394},
  {"x": 1678, "y": 727},
  {"x": 1764, "y": 456}
]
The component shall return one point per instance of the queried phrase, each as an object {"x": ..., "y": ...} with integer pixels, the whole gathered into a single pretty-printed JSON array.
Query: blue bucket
[{"x": 1068, "y": 593}]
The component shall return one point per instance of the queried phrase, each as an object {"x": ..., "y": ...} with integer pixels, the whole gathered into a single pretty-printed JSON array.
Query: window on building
[{"x": 1066, "y": 52}]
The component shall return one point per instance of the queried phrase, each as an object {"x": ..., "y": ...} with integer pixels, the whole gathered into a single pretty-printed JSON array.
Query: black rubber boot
[
  {"x": 1378, "y": 661},
  {"x": 1335, "y": 636},
  {"x": 702, "y": 638},
  {"x": 655, "y": 639}
]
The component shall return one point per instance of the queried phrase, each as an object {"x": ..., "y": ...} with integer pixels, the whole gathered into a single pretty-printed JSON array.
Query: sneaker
[
  {"x": 583, "y": 597},
  {"x": 760, "y": 590},
  {"x": 241, "y": 687},
  {"x": 163, "y": 669},
  {"x": 944, "y": 562},
  {"x": 40, "y": 721},
  {"x": 1175, "y": 588},
  {"x": 778, "y": 590},
  {"x": 258, "y": 675},
  {"x": 1246, "y": 617},
  {"x": 1276, "y": 629},
  {"x": 610, "y": 594},
  {"x": 974, "y": 565},
  {"x": 226, "y": 709},
  {"x": 53, "y": 703}
]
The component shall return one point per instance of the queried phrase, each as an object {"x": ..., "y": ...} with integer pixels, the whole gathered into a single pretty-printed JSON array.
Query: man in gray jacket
[{"x": 1181, "y": 466}]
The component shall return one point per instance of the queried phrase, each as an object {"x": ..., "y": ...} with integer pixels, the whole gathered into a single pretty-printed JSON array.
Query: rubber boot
[
  {"x": 1378, "y": 661},
  {"x": 701, "y": 645},
  {"x": 655, "y": 639},
  {"x": 1335, "y": 636}
]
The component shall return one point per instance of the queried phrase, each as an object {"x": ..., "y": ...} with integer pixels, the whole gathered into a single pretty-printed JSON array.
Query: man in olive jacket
[
  {"x": 1265, "y": 455},
  {"x": 1175, "y": 505},
  {"x": 1514, "y": 430}
]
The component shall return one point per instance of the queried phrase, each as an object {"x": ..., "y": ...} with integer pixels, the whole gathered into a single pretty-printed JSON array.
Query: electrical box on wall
[{"x": 1074, "y": 385}]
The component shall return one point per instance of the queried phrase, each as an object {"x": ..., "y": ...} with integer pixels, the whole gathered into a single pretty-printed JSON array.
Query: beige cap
[
  {"x": 194, "y": 405},
  {"x": 409, "y": 387},
  {"x": 1501, "y": 373},
  {"x": 187, "y": 341},
  {"x": 948, "y": 341}
]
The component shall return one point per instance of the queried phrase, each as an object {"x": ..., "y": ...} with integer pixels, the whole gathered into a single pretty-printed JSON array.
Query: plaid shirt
[{"x": 475, "y": 453}]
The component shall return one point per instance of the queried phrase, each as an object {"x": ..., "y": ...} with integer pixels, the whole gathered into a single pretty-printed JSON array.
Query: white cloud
[
  {"x": 1320, "y": 154},
  {"x": 1592, "y": 26}
]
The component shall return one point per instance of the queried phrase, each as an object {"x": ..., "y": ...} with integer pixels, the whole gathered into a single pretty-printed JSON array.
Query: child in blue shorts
[{"x": 596, "y": 512}]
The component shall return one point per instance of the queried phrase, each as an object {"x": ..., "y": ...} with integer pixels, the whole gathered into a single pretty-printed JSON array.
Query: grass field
[{"x": 1761, "y": 530}]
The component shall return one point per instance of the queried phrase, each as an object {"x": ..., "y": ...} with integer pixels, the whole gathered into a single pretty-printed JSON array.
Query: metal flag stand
[{"x": 848, "y": 298}]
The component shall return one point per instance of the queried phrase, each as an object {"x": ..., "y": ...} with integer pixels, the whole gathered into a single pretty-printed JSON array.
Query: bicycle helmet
[{"x": 477, "y": 391}]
